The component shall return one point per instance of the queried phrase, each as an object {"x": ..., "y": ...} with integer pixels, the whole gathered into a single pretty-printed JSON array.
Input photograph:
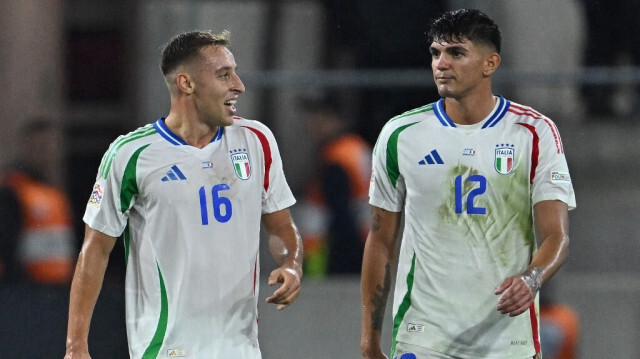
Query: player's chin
[
  {"x": 227, "y": 121},
  {"x": 445, "y": 91}
]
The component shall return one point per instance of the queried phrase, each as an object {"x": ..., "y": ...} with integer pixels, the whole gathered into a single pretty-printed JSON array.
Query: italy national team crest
[
  {"x": 241, "y": 163},
  {"x": 505, "y": 155}
]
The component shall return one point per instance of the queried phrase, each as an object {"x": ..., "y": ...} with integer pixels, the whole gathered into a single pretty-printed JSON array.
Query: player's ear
[
  {"x": 185, "y": 83},
  {"x": 491, "y": 63}
]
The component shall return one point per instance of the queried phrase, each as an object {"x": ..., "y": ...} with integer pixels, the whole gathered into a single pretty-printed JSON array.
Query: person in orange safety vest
[
  {"x": 559, "y": 328},
  {"x": 43, "y": 241},
  {"x": 334, "y": 215}
]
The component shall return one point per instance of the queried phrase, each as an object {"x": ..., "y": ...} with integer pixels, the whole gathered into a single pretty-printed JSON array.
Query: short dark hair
[
  {"x": 471, "y": 24},
  {"x": 186, "y": 46}
]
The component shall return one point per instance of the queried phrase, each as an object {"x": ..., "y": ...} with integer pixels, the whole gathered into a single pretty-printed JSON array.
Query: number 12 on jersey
[
  {"x": 220, "y": 204},
  {"x": 459, "y": 187}
]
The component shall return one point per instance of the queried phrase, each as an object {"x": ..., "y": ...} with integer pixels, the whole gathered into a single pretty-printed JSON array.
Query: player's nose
[
  {"x": 442, "y": 62},
  {"x": 238, "y": 85}
]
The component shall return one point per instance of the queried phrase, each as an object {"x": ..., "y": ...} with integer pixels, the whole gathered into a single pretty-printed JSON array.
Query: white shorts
[{"x": 409, "y": 351}]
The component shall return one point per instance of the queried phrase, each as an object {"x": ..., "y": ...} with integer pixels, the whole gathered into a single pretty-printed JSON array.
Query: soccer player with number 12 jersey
[{"x": 476, "y": 176}]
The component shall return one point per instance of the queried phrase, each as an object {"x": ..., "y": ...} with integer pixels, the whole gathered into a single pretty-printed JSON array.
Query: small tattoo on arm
[
  {"x": 375, "y": 221},
  {"x": 379, "y": 300}
]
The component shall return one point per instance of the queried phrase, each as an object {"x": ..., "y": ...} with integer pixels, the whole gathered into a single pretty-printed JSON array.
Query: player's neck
[
  {"x": 469, "y": 110},
  {"x": 195, "y": 133}
]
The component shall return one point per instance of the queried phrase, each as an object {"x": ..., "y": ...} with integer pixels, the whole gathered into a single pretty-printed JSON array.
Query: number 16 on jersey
[{"x": 222, "y": 208}]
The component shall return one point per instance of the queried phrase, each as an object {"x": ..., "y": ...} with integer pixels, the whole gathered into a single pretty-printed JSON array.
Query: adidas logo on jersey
[
  {"x": 419, "y": 328},
  {"x": 174, "y": 174},
  {"x": 431, "y": 159},
  {"x": 176, "y": 353}
]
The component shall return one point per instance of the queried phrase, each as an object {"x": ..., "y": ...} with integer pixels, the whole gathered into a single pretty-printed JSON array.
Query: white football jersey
[
  {"x": 190, "y": 219},
  {"x": 467, "y": 194}
]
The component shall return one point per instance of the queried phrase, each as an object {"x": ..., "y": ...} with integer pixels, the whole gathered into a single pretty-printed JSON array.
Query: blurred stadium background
[{"x": 92, "y": 67}]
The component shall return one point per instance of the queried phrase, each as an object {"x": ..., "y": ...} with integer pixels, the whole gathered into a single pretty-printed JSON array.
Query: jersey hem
[
  {"x": 464, "y": 354},
  {"x": 384, "y": 205},
  {"x": 102, "y": 228},
  {"x": 280, "y": 206},
  {"x": 554, "y": 197}
]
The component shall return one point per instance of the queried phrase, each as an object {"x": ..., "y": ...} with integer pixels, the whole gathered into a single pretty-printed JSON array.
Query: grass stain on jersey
[{"x": 508, "y": 209}]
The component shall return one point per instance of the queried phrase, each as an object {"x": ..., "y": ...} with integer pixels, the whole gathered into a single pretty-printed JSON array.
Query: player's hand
[
  {"x": 290, "y": 288},
  {"x": 371, "y": 350},
  {"x": 77, "y": 355},
  {"x": 370, "y": 346},
  {"x": 517, "y": 294},
  {"x": 373, "y": 353}
]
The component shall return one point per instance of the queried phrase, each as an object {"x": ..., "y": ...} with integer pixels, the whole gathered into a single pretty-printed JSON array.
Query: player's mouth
[
  {"x": 231, "y": 105},
  {"x": 444, "y": 78}
]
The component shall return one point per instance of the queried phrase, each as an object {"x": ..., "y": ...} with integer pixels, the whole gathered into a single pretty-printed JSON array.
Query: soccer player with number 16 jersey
[
  {"x": 476, "y": 176},
  {"x": 188, "y": 194}
]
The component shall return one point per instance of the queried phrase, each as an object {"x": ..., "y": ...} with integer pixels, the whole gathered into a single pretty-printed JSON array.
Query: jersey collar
[
  {"x": 498, "y": 113},
  {"x": 174, "y": 139}
]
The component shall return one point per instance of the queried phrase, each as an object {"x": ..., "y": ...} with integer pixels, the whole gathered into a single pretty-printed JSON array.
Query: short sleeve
[
  {"x": 387, "y": 189},
  {"x": 276, "y": 194},
  {"x": 103, "y": 212},
  {"x": 552, "y": 180}
]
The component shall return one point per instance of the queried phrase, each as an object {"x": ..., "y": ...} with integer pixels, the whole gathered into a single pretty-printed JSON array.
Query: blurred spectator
[
  {"x": 334, "y": 214},
  {"x": 37, "y": 238},
  {"x": 10, "y": 223},
  {"x": 559, "y": 328},
  {"x": 612, "y": 28}
]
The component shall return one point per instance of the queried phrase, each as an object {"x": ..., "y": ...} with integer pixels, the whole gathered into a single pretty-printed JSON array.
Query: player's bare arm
[
  {"x": 552, "y": 225},
  {"x": 286, "y": 246},
  {"x": 85, "y": 288},
  {"x": 379, "y": 253}
]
